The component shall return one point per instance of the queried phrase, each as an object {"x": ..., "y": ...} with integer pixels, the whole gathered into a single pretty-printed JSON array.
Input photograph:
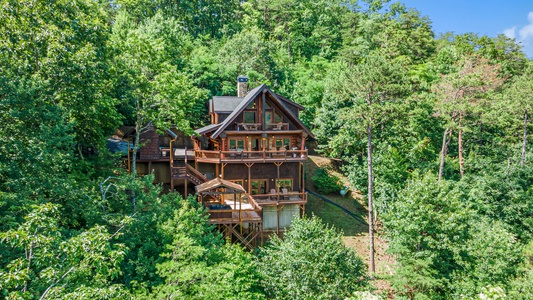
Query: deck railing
[
  {"x": 261, "y": 199},
  {"x": 235, "y": 155},
  {"x": 259, "y": 126},
  {"x": 238, "y": 215}
]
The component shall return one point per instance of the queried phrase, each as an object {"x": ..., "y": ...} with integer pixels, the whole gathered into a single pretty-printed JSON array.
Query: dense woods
[{"x": 434, "y": 130}]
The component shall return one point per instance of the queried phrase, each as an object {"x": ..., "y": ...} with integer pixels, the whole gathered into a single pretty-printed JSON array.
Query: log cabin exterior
[{"x": 255, "y": 141}]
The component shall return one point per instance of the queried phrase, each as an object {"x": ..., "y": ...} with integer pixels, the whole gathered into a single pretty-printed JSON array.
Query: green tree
[
  {"x": 195, "y": 264},
  {"x": 392, "y": 29},
  {"x": 459, "y": 95},
  {"x": 149, "y": 84},
  {"x": 61, "y": 49},
  {"x": 310, "y": 262},
  {"x": 444, "y": 248},
  {"x": 54, "y": 107},
  {"x": 518, "y": 103},
  {"x": 39, "y": 262},
  {"x": 214, "y": 19},
  {"x": 369, "y": 91},
  {"x": 300, "y": 28}
]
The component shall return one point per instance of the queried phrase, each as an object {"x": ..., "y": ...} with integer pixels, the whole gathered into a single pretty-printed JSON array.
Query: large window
[
  {"x": 272, "y": 116},
  {"x": 277, "y": 117},
  {"x": 238, "y": 181},
  {"x": 268, "y": 117},
  {"x": 249, "y": 117},
  {"x": 236, "y": 144},
  {"x": 259, "y": 186},
  {"x": 285, "y": 183},
  {"x": 283, "y": 143}
]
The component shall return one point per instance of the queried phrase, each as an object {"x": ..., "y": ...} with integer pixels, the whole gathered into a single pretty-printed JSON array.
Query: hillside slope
[{"x": 355, "y": 232}]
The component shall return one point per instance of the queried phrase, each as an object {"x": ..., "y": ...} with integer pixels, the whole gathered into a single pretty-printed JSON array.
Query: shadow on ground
[{"x": 331, "y": 214}]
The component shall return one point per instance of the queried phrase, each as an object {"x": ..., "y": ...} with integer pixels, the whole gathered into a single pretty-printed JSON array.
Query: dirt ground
[{"x": 355, "y": 233}]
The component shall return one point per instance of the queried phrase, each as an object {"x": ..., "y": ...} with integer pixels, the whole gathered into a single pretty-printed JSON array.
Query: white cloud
[
  {"x": 510, "y": 32},
  {"x": 526, "y": 32},
  {"x": 524, "y": 36}
]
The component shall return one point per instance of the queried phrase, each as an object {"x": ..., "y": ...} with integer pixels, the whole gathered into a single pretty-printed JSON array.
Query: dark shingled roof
[
  {"x": 246, "y": 100},
  {"x": 207, "y": 128},
  {"x": 226, "y": 103}
]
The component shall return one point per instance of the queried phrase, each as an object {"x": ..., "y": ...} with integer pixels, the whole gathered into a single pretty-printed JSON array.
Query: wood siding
[{"x": 264, "y": 171}]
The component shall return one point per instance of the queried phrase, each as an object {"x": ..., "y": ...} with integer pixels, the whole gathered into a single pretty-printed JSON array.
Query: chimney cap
[{"x": 242, "y": 78}]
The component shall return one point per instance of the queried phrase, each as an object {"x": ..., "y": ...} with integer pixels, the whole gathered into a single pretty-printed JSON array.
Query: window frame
[
  {"x": 258, "y": 189},
  {"x": 279, "y": 186}
]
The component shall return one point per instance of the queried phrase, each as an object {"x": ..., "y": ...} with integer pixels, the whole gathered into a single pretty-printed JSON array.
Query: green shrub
[
  {"x": 325, "y": 183},
  {"x": 311, "y": 262}
]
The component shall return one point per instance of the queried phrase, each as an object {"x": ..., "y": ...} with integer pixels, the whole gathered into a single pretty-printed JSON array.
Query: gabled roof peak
[{"x": 251, "y": 96}]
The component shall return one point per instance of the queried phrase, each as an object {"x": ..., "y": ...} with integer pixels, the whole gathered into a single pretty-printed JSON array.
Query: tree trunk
[
  {"x": 138, "y": 128},
  {"x": 524, "y": 141},
  {"x": 372, "y": 267},
  {"x": 134, "y": 151},
  {"x": 288, "y": 43},
  {"x": 460, "y": 144},
  {"x": 443, "y": 151}
]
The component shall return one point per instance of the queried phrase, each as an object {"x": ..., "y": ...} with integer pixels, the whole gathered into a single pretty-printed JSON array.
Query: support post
[
  {"x": 129, "y": 157},
  {"x": 222, "y": 171},
  {"x": 277, "y": 219},
  {"x": 249, "y": 165},
  {"x": 240, "y": 209}
]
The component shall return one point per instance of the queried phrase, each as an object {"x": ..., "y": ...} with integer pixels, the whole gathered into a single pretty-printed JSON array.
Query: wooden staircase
[{"x": 182, "y": 170}]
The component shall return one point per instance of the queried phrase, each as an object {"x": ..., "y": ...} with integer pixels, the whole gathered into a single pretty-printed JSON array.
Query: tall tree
[
  {"x": 519, "y": 103},
  {"x": 300, "y": 28},
  {"x": 215, "y": 18},
  {"x": 62, "y": 47},
  {"x": 459, "y": 94},
  {"x": 371, "y": 90},
  {"x": 195, "y": 264},
  {"x": 149, "y": 83},
  {"x": 443, "y": 247}
]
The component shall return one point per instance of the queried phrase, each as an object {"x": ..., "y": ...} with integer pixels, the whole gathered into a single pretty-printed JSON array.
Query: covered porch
[{"x": 233, "y": 211}]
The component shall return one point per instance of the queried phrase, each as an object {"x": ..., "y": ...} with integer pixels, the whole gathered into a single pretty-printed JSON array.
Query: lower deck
[{"x": 234, "y": 212}]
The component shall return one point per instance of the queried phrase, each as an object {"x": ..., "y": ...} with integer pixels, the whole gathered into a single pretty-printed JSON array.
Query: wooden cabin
[{"x": 255, "y": 141}]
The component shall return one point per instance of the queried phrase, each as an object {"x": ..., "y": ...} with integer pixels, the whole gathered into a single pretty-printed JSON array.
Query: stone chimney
[{"x": 242, "y": 86}]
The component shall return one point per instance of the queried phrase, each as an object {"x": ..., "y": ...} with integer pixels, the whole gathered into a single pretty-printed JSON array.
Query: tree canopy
[{"x": 434, "y": 131}]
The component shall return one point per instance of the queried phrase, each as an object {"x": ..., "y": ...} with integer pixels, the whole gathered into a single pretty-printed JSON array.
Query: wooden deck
[
  {"x": 235, "y": 156},
  {"x": 243, "y": 222},
  {"x": 164, "y": 155},
  {"x": 247, "y": 212},
  {"x": 245, "y": 217},
  {"x": 281, "y": 199}
]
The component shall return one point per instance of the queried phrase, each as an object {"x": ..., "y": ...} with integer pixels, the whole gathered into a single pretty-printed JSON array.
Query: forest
[{"x": 433, "y": 130}]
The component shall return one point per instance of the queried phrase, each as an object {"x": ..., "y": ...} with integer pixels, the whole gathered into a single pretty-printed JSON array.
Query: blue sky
[{"x": 513, "y": 18}]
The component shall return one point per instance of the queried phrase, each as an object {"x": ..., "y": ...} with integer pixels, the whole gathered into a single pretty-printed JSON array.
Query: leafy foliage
[
  {"x": 196, "y": 266},
  {"x": 72, "y": 225},
  {"x": 326, "y": 183},
  {"x": 442, "y": 243},
  {"x": 310, "y": 262}
]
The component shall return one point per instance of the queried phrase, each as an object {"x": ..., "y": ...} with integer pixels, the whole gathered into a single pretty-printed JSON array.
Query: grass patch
[{"x": 335, "y": 216}]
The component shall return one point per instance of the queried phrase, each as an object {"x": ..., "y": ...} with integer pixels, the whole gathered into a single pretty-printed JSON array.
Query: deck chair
[
  {"x": 273, "y": 195},
  {"x": 285, "y": 193}
]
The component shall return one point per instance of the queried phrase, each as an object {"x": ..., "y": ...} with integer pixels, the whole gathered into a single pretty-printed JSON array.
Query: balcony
[
  {"x": 240, "y": 156},
  {"x": 281, "y": 198},
  {"x": 235, "y": 212},
  {"x": 259, "y": 126}
]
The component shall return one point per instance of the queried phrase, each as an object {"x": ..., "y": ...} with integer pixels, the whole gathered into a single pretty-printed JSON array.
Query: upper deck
[{"x": 243, "y": 156}]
